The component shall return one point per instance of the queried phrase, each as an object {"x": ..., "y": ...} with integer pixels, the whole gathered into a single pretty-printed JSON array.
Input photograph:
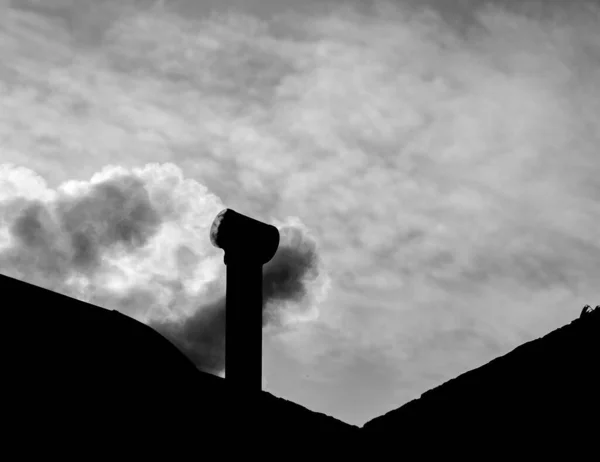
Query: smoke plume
[{"x": 137, "y": 241}]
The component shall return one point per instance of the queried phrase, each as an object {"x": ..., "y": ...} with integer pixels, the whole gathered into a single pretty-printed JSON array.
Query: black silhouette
[
  {"x": 535, "y": 392},
  {"x": 77, "y": 372},
  {"x": 248, "y": 245},
  {"x": 586, "y": 310}
]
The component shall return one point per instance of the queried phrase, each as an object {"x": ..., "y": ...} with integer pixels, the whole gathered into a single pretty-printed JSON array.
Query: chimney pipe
[{"x": 248, "y": 245}]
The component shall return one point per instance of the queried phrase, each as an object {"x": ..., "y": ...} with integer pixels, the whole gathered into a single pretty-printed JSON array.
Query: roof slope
[
  {"x": 73, "y": 368},
  {"x": 549, "y": 385}
]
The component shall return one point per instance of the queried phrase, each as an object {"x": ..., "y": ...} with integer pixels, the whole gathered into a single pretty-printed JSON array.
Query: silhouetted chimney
[{"x": 248, "y": 245}]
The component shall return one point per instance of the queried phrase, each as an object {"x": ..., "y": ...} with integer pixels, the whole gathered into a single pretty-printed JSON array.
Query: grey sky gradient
[{"x": 439, "y": 159}]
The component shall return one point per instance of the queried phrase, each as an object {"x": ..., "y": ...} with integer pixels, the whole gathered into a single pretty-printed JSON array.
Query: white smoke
[{"x": 137, "y": 241}]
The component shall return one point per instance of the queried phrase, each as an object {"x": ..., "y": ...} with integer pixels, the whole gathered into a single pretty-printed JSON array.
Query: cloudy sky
[{"x": 433, "y": 167}]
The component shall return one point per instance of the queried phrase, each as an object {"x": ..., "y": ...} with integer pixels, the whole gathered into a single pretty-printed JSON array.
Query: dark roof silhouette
[
  {"x": 84, "y": 371},
  {"x": 548, "y": 386},
  {"x": 89, "y": 374}
]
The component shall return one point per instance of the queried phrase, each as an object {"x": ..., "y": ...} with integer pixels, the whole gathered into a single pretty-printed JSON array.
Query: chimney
[{"x": 248, "y": 245}]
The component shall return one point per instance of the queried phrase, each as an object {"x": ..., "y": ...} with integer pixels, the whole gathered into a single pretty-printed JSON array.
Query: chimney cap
[{"x": 242, "y": 237}]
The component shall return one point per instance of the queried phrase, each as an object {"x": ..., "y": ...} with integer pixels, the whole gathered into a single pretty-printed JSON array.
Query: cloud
[{"x": 138, "y": 241}]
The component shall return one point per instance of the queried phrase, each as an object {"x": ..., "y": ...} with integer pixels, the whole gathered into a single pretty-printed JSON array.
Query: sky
[{"x": 432, "y": 166}]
